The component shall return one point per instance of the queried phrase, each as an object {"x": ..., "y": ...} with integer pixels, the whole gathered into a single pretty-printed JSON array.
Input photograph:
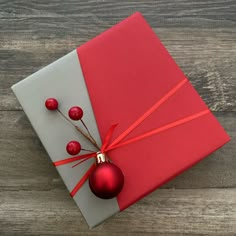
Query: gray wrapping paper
[{"x": 64, "y": 80}]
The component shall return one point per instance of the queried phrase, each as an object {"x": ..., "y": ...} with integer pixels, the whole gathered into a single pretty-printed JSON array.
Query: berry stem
[
  {"x": 87, "y": 137},
  {"x": 87, "y": 130},
  {"x": 86, "y": 150},
  {"x": 80, "y": 131}
]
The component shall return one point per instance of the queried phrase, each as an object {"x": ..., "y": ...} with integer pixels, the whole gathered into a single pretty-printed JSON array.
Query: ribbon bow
[{"x": 118, "y": 141}]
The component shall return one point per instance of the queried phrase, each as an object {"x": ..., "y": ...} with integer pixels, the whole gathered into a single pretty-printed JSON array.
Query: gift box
[{"x": 124, "y": 76}]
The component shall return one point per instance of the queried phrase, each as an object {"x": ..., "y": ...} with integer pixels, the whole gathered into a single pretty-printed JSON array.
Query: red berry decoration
[
  {"x": 75, "y": 113},
  {"x": 51, "y": 104},
  {"x": 107, "y": 180},
  {"x": 73, "y": 147}
]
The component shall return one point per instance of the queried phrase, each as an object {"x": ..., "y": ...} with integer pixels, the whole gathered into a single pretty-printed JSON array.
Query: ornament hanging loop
[{"x": 101, "y": 157}]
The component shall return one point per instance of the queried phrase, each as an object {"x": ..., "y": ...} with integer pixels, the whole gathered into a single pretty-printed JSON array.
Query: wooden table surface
[{"x": 200, "y": 35}]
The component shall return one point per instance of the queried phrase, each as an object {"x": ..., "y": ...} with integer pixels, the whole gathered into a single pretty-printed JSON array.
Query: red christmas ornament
[
  {"x": 107, "y": 180},
  {"x": 51, "y": 104},
  {"x": 73, "y": 147},
  {"x": 75, "y": 113}
]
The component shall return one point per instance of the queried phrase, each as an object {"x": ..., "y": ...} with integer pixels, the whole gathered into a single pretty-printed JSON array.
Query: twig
[
  {"x": 91, "y": 140},
  {"x": 88, "y": 130}
]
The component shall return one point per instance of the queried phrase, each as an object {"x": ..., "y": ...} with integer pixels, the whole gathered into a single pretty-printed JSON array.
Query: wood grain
[
  {"x": 164, "y": 212},
  {"x": 200, "y": 35},
  {"x": 103, "y": 13}
]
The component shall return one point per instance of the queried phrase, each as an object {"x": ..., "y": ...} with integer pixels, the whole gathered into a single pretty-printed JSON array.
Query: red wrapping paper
[{"x": 127, "y": 70}]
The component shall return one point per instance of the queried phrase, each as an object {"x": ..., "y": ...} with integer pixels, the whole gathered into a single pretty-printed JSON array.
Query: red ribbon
[{"x": 118, "y": 141}]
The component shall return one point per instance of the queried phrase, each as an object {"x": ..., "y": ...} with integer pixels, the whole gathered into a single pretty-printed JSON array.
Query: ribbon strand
[
  {"x": 82, "y": 181},
  {"x": 160, "y": 129},
  {"x": 107, "y": 138},
  {"x": 73, "y": 159}
]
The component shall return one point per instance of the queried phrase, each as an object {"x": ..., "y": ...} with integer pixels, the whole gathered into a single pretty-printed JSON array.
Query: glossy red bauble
[
  {"x": 51, "y": 104},
  {"x": 73, "y": 147},
  {"x": 106, "y": 181},
  {"x": 75, "y": 113}
]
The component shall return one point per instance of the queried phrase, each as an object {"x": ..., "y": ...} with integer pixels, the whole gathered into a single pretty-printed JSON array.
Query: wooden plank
[
  {"x": 164, "y": 212},
  {"x": 167, "y": 13},
  {"x": 24, "y": 163}
]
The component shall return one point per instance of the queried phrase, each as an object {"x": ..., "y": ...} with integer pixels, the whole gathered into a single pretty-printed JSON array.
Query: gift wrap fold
[{"x": 116, "y": 78}]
